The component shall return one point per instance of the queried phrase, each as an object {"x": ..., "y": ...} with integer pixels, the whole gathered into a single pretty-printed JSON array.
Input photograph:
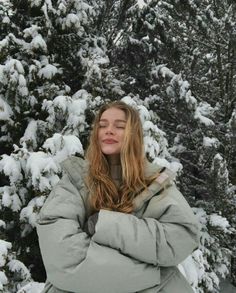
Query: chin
[{"x": 110, "y": 152}]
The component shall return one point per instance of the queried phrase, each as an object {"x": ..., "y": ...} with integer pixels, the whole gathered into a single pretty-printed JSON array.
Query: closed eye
[{"x": 102, "y": 125}]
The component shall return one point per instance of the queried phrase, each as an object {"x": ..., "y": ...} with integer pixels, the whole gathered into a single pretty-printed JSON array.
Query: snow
[
  {"x": 219, "y": 221},
  {"x": 76, "y": 116},
  {"x": 62, "y": 102},
  {"x": 63, "y": 146},
  {"x": 3, "y": 43},
  {"x": 6, "y": 19},
  {"x": 163, "y": 71},
  {"x": 3, "y": 280},
  {"x": 203, "y": 110},
  {"x": 62, "y": 8},
  {"x": 72, "y": 20},
  {"x": 29, "y": 214},
  {"x": 38, "y": 43},
  {"x": 30, "y": 133},
  {"x": 22, "y": 81},
  {"x": 70, "y": 108},
  {"x": 202, "y": 119},
  {"x": 210, "y": 247},
  {"x": 23, "y": 91},
  {"x": 176, "y": 149},
  {"x": 232, "y": 122},
  {"x": 218, "y": 157},
  {"x": 42, "y": 169},
  {"x": 5, "y": 110},
  {"x": 17, "y": 266},
  {"x": 4, "y": 247},
  {"x": 141, "y": 3},
  {"x": 10, "y": 198},
  {"x": 32, "y": 287},
  {"x": 14, "y": 65},
  {"x": 154, "y": 140},
  {"x": 11, "y": 167},
  {"x": 129, "y": 101},
  {"x": 48, "y": 72},
  {"x": 143, "y": 113},
  {"x": 36, "y": 2},
  {"x": 210, "y": 142},
  {"x": 31, "y": 31},
  {"x": 151, "y": 146},
  {"x": 118, "y": 37}
]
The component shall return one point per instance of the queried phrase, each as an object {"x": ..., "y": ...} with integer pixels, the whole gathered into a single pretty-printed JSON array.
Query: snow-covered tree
[{"x": 60, "y": 60}]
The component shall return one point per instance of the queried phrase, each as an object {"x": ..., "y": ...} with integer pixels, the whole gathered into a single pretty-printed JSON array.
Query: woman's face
[{"x": 111, "y": 132}]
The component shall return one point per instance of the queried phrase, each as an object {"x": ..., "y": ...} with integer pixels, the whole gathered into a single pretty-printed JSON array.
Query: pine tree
[{"x": 60, "y": 60}]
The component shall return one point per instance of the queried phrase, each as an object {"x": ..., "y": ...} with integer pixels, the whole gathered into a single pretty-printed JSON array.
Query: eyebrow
[{"x": 117, "y": 120}]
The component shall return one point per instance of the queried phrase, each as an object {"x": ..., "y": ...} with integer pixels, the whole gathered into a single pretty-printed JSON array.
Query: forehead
[{"x": 113, "y": 114}]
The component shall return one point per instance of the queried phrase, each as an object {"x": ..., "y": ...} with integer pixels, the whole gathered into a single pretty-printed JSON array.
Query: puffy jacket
[{"x": 128, "y": 253}]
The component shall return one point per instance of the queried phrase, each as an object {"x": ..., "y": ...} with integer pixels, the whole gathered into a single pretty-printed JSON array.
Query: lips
[{"x": 109, "y": 141}]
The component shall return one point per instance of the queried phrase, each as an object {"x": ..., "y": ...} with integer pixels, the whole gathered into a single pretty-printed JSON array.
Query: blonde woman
[{"x": 115, "y": 222}]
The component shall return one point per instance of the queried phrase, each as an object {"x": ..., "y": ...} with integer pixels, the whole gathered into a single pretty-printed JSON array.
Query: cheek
[
  {"x": 99, "y": 134},
  {"x": 122, "y": 137}
]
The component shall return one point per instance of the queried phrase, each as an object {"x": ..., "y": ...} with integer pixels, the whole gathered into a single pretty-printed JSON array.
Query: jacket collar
[{"x": 155, "y": 188}]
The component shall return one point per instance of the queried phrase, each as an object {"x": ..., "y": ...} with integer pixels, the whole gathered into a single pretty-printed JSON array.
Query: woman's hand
[{"x": 89, "y": 226}]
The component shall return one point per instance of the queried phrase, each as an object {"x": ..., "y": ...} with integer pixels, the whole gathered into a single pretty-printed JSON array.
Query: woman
[{"x": 115, "y": 222}]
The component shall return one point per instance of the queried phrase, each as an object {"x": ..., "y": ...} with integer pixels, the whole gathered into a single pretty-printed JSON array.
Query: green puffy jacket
[{"x": 128, "y": 253}]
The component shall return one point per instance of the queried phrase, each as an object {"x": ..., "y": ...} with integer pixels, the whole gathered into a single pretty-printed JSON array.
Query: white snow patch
[
  {"x": 32, "y": 287},
  {"x": 144, "y": 113},
  {"x": 14, "y": 65},
  {"x": 203, "y": 110},
  {"x": 48, "y": 72},
  {"x": 30, "y": 133},
  {"x": 5, "y": 109},
  {"x": 219, "y": 221},
  {"x": 29, "y": 213},
  {"x": 10, "y": 198},
  {"x": 17, "y": 266},
  {"x": 42, "y": 168},
  {"x": 3, "y": 280},
  {"x": 4, "y": 247},
  {"x": 141, "y": 3},
  {"x": 129, "y": 100},
  {"x": 77, "y": 114},
  {"x": 210, "y": 142},
  {"x": 11, "y": 168},
  {"x": 62, "y": 146}
]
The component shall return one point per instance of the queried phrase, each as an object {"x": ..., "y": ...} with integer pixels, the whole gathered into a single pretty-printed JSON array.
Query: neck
[
  {"x": 116, "y": 173},
  {"x": 113, "y": 159}
]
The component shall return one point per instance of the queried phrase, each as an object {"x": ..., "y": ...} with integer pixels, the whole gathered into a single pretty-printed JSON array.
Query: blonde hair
[{"x": 104, "y": 193}]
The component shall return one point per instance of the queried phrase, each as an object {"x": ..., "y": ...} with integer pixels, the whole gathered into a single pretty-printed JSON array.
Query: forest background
[{"x": 175, "y": 61}]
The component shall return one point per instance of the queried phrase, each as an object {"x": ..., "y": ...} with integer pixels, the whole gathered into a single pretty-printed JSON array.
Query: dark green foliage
[{"x": 177, "y": 58}]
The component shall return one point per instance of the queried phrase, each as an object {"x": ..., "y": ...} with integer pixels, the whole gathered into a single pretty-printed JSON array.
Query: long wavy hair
[{"x": 104, "y": 194}]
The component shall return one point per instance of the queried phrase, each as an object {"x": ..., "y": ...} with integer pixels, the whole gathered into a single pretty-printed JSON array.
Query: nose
[{"x": 110, "y": 129}]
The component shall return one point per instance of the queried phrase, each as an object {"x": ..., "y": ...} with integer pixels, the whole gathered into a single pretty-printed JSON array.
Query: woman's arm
[
  {"x": 165, "y": 236},
  {"x": 76, "y": 263}
]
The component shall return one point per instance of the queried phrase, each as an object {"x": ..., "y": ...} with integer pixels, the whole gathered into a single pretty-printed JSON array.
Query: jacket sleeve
[
  {"x": 165, "y": 236},
  {"x": 76, "y": 263}
]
